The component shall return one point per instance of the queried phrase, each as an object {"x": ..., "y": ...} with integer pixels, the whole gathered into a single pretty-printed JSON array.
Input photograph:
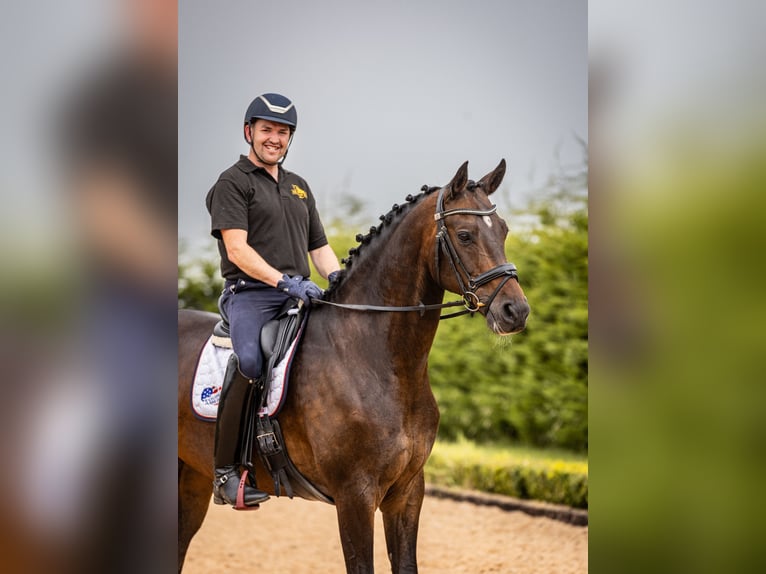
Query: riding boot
[{"x": 228, "y": 430}]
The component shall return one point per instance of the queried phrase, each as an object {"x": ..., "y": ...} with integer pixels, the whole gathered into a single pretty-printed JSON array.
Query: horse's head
[{"x": 470, "y": 251}]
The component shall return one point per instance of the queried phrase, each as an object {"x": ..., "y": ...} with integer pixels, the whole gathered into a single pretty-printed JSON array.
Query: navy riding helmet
[{"x": 273, "y": 107}]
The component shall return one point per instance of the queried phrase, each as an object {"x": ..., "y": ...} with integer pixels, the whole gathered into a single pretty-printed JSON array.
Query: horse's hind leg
[
  {"x": 194, "y": 490},
  {"x": 401, "y": 516}
]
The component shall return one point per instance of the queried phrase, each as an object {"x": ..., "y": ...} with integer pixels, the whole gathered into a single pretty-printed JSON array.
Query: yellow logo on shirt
[{"x": 297, "y": 191}]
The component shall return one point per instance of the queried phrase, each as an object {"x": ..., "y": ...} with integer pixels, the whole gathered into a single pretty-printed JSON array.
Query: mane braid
[{"x": 385, "y": 221}]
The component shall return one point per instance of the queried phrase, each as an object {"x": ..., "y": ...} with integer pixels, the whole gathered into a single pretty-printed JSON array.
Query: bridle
[
  {"x": 444, "y": 244},
  {"x": 471, "y": 300}
]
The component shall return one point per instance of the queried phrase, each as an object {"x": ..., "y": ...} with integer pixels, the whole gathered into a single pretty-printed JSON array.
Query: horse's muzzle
[{"x": 509, "y": 317}]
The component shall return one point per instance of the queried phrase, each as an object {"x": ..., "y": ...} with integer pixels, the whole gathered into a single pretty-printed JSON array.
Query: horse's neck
[{"x": 395, "y": 270}]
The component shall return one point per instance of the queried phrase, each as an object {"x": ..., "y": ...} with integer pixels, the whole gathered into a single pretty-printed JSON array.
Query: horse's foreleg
[
  {"x": 356, "y": 522},
  {"x": 194, "y": 492},
  {"x": 401, "y": 516}
]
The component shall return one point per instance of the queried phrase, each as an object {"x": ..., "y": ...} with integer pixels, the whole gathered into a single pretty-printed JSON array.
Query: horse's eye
[{"x": 464, "y": 236}]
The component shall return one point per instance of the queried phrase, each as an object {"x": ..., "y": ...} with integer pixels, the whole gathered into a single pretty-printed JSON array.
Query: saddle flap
[
  {"x": 269, "y": 334},
  {"x": 277, "y": 334}
]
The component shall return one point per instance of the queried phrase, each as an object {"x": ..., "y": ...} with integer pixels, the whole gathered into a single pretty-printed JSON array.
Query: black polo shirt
[{"x": 281, "y": 219}]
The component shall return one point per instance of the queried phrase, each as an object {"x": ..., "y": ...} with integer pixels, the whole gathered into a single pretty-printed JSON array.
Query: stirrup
[
  {"x": 239, "y": 500},
  {"x": 240, "y": 505}
]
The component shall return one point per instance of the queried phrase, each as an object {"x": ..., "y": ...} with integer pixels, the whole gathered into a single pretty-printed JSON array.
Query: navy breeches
[{"x": 249, "y": 306}]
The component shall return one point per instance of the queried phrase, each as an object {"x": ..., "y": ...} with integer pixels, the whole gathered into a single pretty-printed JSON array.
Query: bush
[
  {"x": 199, "y": 279},
  {"x": 553, "y": 480}
]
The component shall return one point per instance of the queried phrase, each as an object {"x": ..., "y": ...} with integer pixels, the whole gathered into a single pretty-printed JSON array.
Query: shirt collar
[{"x": 248, "y": 166}]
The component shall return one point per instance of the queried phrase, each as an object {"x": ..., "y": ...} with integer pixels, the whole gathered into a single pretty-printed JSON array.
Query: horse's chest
[{"x": 405, "y": 442}]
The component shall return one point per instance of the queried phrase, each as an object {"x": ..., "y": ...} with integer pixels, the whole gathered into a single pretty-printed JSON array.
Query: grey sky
[{"x": 389, "y": 95}]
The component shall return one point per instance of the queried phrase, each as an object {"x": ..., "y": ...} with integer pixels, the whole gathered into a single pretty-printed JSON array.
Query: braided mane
[{"x": 386, "y": 221}]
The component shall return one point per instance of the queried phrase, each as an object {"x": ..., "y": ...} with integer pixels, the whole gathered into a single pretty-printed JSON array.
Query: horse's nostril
[{"x": 516, "y": 313}]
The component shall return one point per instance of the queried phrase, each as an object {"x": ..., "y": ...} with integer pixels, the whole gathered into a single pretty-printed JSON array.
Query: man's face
[{"x": 270, "y": 140}]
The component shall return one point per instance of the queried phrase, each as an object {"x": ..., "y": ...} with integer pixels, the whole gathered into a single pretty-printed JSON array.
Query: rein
[
  {"x": 421, "y": 307},
  {"x": 471, "y": 300}
]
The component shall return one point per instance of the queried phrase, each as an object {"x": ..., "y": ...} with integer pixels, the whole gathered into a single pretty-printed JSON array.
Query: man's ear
[{"x": 248, "y": 133}]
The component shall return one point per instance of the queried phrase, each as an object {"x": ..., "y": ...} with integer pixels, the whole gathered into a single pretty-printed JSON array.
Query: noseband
[{"x": 444, "y": 244}]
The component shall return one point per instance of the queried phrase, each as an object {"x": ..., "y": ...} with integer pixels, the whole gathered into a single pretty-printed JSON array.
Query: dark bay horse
[{"x": 360, "y": 418}]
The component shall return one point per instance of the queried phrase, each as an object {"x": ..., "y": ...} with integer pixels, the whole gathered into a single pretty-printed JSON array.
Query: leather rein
[{"x": 471, "y": 300}]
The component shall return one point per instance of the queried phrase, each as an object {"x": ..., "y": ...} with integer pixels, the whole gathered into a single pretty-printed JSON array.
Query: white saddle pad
[{"x": 208, "y": 380}]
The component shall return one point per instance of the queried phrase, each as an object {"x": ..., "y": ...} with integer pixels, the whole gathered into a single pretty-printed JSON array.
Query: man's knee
[{"x": 250, "y": 362}]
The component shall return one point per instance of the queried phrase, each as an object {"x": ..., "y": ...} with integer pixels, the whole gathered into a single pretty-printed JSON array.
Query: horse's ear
[
  {"x": 458, "y": 182},
  {"x": 491, "y": 181}
]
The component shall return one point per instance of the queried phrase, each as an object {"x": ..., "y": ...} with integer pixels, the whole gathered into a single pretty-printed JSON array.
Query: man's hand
[{"x": 300, "y": 288}]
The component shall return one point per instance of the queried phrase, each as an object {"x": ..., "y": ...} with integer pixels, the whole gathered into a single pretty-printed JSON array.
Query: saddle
[
  {"x": 276, "y": 335},
  {"x": 260, "y": 429}
]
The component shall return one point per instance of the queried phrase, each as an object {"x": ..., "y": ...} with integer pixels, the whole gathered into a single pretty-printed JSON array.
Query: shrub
[{"x": 512, "y": 474}]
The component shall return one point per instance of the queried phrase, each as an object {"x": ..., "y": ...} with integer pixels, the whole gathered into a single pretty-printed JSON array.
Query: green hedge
[{"x": 558, "y": 481}]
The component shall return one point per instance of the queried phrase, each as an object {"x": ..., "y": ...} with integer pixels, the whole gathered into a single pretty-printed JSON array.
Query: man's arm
[
  {"x": 247, "y": 258},
  {"x": 324, "y": 260}
]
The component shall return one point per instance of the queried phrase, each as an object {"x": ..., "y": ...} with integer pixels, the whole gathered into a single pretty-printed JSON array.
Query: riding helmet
[{"x": 273, "y": 107}]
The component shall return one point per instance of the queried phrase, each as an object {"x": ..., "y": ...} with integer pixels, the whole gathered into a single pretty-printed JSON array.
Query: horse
[{"x": 360, "y": 418}]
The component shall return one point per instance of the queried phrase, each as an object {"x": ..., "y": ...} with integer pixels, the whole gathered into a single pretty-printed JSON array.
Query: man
[{"x": 266, "y": 222}]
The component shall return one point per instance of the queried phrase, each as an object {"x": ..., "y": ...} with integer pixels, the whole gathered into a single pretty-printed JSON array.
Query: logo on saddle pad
[
  {"x": 210, "y": 395},
  {"x": 298, "y": 192}
]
